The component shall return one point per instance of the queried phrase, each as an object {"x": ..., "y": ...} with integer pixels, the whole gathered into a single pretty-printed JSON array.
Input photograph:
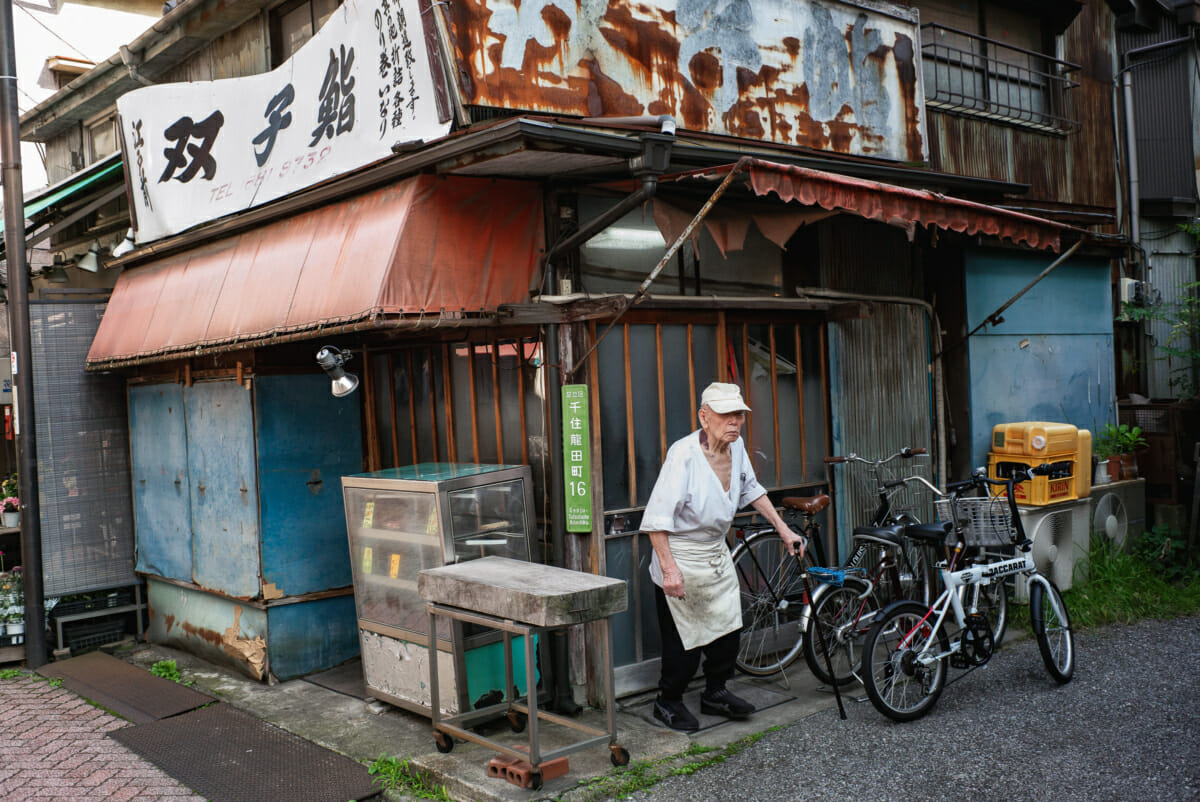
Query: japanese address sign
[
  {"x": 199, "y": 151},
  {"x": 577, "y": 457}
]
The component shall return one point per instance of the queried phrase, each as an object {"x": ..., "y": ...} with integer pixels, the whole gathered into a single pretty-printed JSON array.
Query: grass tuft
[{"x": 396, "y": 774}]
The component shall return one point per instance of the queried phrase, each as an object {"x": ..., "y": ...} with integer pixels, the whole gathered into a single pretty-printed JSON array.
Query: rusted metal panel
[
  {"x": 834, "y": 76},
  {"x": 221, "y": 630}
]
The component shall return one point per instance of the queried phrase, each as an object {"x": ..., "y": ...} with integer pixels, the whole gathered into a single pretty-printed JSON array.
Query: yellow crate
[
  {"x": 1031, "y": 443},
  {"x": 1039, "y": 439}
]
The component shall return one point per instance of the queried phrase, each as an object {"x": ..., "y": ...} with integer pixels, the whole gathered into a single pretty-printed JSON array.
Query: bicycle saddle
[
  {"x": 806, "y": 504},
  {"x": 934, "y": 533},
  {"x": 887, "y": 535}
]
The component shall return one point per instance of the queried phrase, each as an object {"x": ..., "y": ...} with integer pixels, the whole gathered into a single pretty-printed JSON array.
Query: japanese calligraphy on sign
[
  {"x": 206, "y": 150},
  {"x": 577, "y": 457}
]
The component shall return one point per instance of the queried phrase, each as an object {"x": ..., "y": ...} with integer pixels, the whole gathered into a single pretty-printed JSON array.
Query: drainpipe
[
  {"x": 653, "y": 161},
  {"x": 18, "y": 327}
]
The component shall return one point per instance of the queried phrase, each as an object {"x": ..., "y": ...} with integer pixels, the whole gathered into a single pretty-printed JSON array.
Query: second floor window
[{"x": 293, "y": 23}]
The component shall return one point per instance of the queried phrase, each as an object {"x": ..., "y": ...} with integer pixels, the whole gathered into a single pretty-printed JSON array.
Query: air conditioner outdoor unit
[
  {"x": 1061, "y": 535},
  {"x": 1119, "y": 511}
]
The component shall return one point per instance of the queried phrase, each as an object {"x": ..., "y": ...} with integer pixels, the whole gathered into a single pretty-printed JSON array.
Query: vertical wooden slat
[
  {"x": 629, "y": 449},
  {"x": 391, "y": 362},
  {"x": 746, "y": 382},
  {"x": 825, "y": 385},
  {"x": 599, "y": 556},
  {"x": 691, "y": 357},
  {"x": 474, "y": 409},
  {"x": 662, "y": 393},
  {"x": 800, "y": 406},
  {"x": 496, "y": 401},
  {"x": 372, "y": 433},
  {"x": 521, "y": 400},
  {"x": 412, "y": 409},
  {"x": 433, "y": 405},
  {"x": 448, "y": 399},
  {"x": 722, "y": 348},
  {"x": 775, "y": 407}
]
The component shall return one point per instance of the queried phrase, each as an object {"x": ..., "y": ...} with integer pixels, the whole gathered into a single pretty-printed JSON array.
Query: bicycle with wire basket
[
  {"x": 775, "y": 608},
  {"x": 910, "y": 648}
]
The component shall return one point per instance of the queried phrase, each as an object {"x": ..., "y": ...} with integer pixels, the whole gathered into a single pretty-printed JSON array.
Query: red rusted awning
[
  {"x": 425, "y": 249},
  {"x": 873, "y": 200}
]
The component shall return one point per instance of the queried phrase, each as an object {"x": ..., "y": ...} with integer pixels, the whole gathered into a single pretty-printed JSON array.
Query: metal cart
[{"x": 522, "y": 599}]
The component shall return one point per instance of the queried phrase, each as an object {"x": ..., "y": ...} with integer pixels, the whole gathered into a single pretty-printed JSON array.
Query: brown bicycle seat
[{"x": 806, "y": 504}]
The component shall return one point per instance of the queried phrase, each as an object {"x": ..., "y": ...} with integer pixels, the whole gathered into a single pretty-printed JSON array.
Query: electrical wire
[{"x": 55, "y": 34}]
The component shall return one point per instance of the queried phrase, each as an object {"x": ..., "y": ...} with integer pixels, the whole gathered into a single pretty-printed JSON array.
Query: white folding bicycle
[{"x": 911, "y": 645}]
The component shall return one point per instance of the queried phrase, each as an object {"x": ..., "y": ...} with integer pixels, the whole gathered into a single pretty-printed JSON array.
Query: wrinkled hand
[
  {"x": 672, "y": 583},
  {"x": 795, "y": 543}
]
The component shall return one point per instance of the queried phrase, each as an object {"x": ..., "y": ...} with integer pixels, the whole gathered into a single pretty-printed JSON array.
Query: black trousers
[{"x": 679, "y": 665}]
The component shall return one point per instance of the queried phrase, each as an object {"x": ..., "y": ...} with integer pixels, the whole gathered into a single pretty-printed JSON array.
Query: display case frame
[{"x": 401, "y": 520}]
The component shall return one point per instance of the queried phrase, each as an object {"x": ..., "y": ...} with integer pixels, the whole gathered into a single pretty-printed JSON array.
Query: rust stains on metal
[
  {"x": 842, "y": 78},
  {"x": 201, "y": 633}
]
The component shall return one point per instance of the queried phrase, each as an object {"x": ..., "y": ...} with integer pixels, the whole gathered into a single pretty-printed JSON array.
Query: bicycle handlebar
[{"x": 904, "y": 453}]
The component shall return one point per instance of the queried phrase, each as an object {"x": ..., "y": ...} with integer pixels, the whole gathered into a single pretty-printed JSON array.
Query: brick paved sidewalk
[{"x": 54, "y": 746}]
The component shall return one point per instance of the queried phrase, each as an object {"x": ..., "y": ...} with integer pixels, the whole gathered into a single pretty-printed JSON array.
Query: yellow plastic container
[{"x": 1029, "y": 444}]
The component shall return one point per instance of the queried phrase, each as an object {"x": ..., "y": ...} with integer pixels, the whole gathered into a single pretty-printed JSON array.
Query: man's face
[{"x": 726, "y": 428}]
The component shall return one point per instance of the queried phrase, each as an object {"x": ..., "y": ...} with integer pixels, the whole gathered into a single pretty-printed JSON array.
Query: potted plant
[
  {"x": 11, "y": 512},
  {"x": 12, "y": 604},
  {"x": 1118, "y": 444}
]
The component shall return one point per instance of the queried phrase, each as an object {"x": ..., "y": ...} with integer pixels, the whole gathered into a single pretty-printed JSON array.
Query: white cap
[{"x": 723, "y": 398}]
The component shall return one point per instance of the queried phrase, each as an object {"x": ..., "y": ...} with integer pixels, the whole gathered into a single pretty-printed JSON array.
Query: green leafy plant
[
  {"x": 1113, "y": 440},
  {"x": 167, "y": 670},
  {"x": 9, "y": 486},
  {"x": 396, "y": 774}
]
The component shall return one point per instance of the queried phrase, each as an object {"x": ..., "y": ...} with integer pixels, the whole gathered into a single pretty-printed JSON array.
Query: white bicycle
[{"x": 910, "y": 647}]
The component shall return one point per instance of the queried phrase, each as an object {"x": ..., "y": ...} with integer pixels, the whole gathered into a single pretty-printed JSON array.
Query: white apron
[{"x": 711, "y": 605}]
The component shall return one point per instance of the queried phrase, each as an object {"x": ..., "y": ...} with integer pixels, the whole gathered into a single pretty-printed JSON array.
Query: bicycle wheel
[
  {"x": 772, "y": 593},
  {"x": 899, "y": 685},
  {"x": 1052, "y": 628},
  {"x": 845, "y": 616},
  {"x": 991, "y": 602}
]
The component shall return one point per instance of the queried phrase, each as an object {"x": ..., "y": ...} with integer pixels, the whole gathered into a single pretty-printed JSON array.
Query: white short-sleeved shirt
[{"x": 688, "y": 500}]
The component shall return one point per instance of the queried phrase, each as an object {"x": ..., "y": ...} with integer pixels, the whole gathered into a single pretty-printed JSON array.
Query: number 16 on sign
[{"x": 577, "y": 457}]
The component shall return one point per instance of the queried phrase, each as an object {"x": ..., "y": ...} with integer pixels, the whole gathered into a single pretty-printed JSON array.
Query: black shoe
[
  {"x": 674, "y": 714},
  {"x": 722, "y": 702}
]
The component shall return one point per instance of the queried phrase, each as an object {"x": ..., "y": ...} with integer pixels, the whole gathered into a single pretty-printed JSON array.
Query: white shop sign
[{"x": 203, "y": 150}]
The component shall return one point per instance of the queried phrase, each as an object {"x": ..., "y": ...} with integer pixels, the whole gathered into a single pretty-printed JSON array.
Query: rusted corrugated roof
[
  {"x": 422, "y": 247},
  {"x": 888, "y": 203}
]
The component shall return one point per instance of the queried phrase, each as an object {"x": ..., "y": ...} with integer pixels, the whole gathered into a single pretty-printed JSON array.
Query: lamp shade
[{"x": 90, "y": 261}]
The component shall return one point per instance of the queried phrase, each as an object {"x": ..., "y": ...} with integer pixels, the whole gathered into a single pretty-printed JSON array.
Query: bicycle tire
[
  {"x": 773, "y": 603},
  {"x": 1052, "y": 628},
  {"x": 898, "y": 686},
  {"x": 845, "y": 620}
]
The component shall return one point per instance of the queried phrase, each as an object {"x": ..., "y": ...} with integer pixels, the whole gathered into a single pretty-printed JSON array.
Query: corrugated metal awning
[
  {"x": 424, "y": 249},
  {"x": 873, "y": 200}
]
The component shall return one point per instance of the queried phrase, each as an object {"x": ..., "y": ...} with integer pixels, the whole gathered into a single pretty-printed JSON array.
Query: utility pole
[{"x": 18, "y": 329}]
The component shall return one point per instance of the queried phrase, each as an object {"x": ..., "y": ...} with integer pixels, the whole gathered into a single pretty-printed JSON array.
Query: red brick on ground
[{"x": 55, "y": 748}]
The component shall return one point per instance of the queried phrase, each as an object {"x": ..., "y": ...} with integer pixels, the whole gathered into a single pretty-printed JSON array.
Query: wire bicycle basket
[{"x": 983, "y": 522}]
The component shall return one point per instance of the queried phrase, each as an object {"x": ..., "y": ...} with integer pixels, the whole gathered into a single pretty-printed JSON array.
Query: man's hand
[
  {"x": 795, "y": 543},
  {"x": 672, "y": 582}
]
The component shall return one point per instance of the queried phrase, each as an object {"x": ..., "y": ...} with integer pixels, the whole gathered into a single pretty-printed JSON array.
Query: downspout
[
  {"x": 132, "y": 63},
  {"x": 653, "y": 161}
]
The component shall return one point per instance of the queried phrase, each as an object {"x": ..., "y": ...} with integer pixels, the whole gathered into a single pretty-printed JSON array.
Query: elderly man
[{"x": 705, "y": 479}]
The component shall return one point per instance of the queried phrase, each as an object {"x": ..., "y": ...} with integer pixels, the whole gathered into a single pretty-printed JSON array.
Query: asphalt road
[{"x": 1127, "y": 727}]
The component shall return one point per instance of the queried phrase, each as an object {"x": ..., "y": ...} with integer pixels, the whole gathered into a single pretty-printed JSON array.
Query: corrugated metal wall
[
  {"x": 1162, "y": 84},
  {"x": 1171, "y": 263}
]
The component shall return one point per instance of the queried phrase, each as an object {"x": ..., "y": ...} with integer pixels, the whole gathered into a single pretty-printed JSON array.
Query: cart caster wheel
[
  {"x": 444, "y": 742},
  {"x": 517, "y": 721},
  {"x": 619, "y": 755},
  {"x": 535, "y": 780}
]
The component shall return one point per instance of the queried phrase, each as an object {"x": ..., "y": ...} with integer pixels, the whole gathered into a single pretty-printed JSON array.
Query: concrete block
[{"x": 533, "y": 594}]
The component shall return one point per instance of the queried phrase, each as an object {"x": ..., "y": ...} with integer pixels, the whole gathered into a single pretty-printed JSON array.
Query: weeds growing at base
[{"x": 396, "y": 774}]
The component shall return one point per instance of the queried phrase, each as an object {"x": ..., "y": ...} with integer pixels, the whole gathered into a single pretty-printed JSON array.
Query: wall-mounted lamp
[
  {"x": 333, "y": 361},
  {"x": 56, "y": 272},
  {"x": 124, "y": 246},
  {"x": 90, "y": 261}
]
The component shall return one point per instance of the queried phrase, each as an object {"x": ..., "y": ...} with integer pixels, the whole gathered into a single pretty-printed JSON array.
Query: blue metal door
[
  {"x": 306, "y": 441},
  {"x": 224, "y": 489},
  {"x": 159, "y": 466}
]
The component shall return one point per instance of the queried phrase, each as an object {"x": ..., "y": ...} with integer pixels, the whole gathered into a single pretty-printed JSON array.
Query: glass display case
[{"x": 402, "y": 520}]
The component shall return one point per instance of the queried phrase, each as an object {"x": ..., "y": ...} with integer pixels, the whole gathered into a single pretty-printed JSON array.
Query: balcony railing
[{"x": 982, "y": 77}]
